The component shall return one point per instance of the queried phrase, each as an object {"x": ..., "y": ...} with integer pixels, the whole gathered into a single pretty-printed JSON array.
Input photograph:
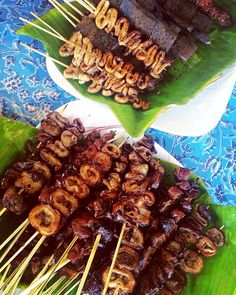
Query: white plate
[{"x": 182, "y": 120}]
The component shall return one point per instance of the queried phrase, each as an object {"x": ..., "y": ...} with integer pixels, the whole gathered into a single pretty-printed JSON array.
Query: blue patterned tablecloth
[{"x": 27, "y": 93}]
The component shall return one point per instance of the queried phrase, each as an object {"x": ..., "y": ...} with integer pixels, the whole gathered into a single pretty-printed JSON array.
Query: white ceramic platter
[{"x": 182, "y": 120}]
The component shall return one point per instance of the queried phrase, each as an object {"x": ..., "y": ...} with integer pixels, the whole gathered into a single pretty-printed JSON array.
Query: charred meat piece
[
  {"x": 51, "y": 127},
  {"x": 177, "y": 282},
  {"x": 50, "y": 159},
  {"x": 182, "y": 174},
  {"x": 127, "y": 258},
  {"x": 64, "y": 202},
  {"x": 206, "y": 247},
  {"x": 217, "y": 236},
  {"x": 191, "y": 262},
  {"x": 130, "y": 211},
  {"x": 84, "y": 226},
  {"x": 29, "y": 182},
  {"x": 103, "y": 161},
  {"x": 184, "y": 48},
  {"x": 91, "y": 175},
  {"x": 14, "y": 202},
  {"x": 124, "y": 279},
  {"x": 45, "y": 219},
  {"x": 75, "y": 185},
  {"x": 155, "y": 28},
  {"x": 217, "y": 14},
  {"x": 99, "y": 38},
  {"x": 133, "y": 237},
  {"x": 59, "y": 119}
]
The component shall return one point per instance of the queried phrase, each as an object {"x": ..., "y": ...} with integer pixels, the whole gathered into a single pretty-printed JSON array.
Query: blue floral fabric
[{"x": 27, "y": 93}]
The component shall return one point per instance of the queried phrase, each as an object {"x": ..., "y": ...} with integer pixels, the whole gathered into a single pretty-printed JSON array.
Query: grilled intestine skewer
[
  {"x": 102, "y": 80},
  {"x": 217, "y": 14}
]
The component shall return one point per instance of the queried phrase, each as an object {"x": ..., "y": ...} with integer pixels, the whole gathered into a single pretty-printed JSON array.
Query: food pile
[
  {"x": 77, "y": 182},
  {"x": 124, "y": 47}
]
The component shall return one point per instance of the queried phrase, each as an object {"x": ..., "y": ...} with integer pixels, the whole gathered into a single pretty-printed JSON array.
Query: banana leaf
[
  {"x": 181, "y": 84},
  {"x": 13, "y": 137},
  {"x": 219, "y": 274}
]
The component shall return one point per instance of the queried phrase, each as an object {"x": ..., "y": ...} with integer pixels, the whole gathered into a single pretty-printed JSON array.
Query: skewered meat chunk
[
  {"x": 155, "y": 28},
  {"x": 112, "y": 150},
  {"x": 184, "y": 48},
  {"x": 76, "y": 186},
  {"x": 58, "y": 148},
  {"x": 45, "y": 219},
  {"x": 177, "y": 282},
  {"x": 133, "y": 187},
  {"x": 127, "y": 258},
  {"x": 133, "y": 237},
  {"x": 217, "y": 14},
  {"x": 124, "y": 279},
  {"x": 84, "y": 226},
  {"x": 191, "y": 262},
  {"x": 112, "y": 182},
  {"x": 29, "y": 182},
  {"x": 217, "y": 236},
  {"x": 99, "y": 38},
  {"x": 91, "y": 175},
  {"x": 80, "y": 251},
  {"x": 68, "y": 138},
  {"x": 206, "y": 247},
  {"x": 50, "y": 159},
  {"x": 174, "y": 193},
  {"x": 204, "y": 212},
  {"x": 64, "y": 202},
  {"x": 59, "y": 119},
  {"x": 78, "y": 124},
  {"x": 13, "y": 201},
  {"x": 51, "y": 127},
  {"x": 182, "y": 174},
  {"x": 103, "y": 161},
  {"x": 132, "y": 212}
]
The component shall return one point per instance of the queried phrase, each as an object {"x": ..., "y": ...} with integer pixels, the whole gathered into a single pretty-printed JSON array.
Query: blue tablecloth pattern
[{"x": 27, "y": 93}]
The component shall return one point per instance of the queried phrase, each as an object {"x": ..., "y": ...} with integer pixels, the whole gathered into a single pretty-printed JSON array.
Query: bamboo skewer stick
[
  {"x": 14, "y": 233},
  {"x": 43, "y": 54},
  {"x": 41, "y": 280},
  {"x": 81, "y": 2},
  {"x": 66, "y": 11},
  {"x": 117, "y": 291},
  {"x": 104, "y": 292},
  {"x": 117, "y": 137},
  {"x": 2, "y": 211},
  {"x": 54, "y": 267},
  {"x": 54, "y": 286},
  {"x": 90, "y": 4},
  {"x": 12, "y": 243},
  {"x": 45, "y": 30},
  {"x": 72, "y": 288},
  {"x": 73, "y": 7},
  {"x": 4, "y": 276},
  {"x": 46, "y": 24},
  {"x": 9, "y": 279},
  {"x": 44, "y": 269},
  {"x": 122, "y": 143},
  {"x": 65, "y": 16},
  {"x": 19, "y": 251},
  {"x": 67, "y": 284},
  {"x": 88, "y": 265},
  {"x": 23, "y": 266}
]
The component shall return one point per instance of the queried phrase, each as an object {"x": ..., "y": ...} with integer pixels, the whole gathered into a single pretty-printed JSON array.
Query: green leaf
[
  {"x": 183, "y": 82},
  {"x": 219, "y": 273},
  {"x": 13, "y": 137}
]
